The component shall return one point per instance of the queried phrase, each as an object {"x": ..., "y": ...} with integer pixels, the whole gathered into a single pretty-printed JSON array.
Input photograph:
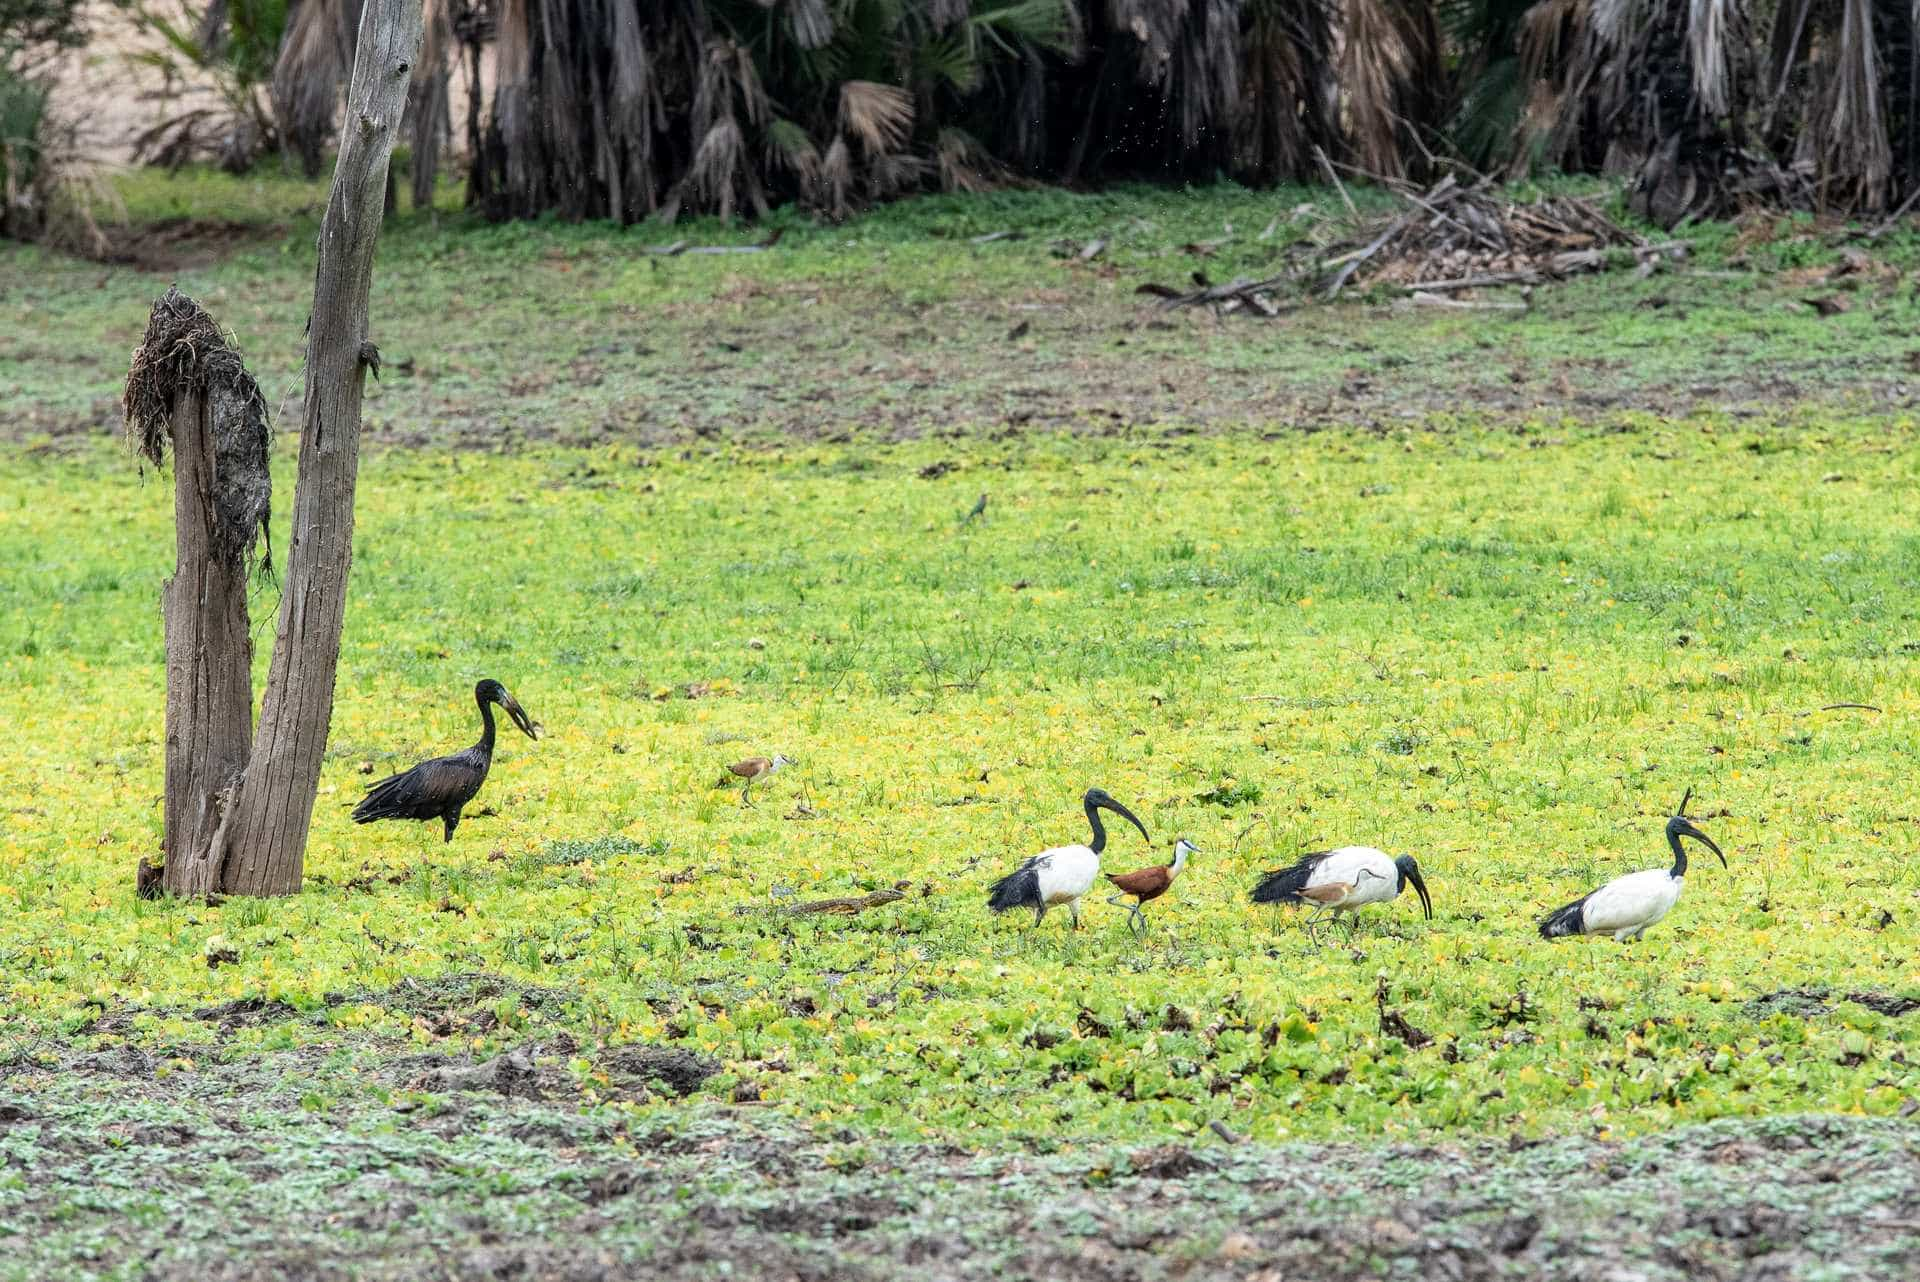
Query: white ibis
[
  {"x": 1148, "y": 884},
  {"x": 1063, "y": 874},
  {"x": 1342, "y": 881},
  {"x": 754, "y": 768},
  {"x": 1626, "y": 906},
  {"x": 440, "y": 788}
]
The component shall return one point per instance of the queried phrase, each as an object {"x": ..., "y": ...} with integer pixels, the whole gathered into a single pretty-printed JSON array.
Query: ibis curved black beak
[
  {"x": 1419, "y": 885},
  {"x": 528, "y": 726},
  {"x": 1681, "y": 828},
  {"x": 1104, "y": 802}
]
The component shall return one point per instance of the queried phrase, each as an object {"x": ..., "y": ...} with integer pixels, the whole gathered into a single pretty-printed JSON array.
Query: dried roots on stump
[{"x": 184, "y": 350}]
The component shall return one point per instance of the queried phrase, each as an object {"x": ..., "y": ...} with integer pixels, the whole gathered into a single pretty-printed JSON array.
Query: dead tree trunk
[
  {"x": 189, "y": 389},
  {"x": 209, "y": 665},
  {"x": 264, "y": 843}
]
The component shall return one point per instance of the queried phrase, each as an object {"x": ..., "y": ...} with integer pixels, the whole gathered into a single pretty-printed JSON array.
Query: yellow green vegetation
[{"x": 1504, "y": 653}]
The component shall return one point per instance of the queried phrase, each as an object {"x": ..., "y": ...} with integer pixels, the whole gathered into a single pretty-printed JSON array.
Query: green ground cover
[
  {"x": 1528, "y": 578},
  {"x": 1507, "y": 654}
]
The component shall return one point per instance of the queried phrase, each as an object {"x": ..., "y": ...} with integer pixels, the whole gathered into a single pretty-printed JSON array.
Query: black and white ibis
[
  {"x": 752, "y": 769},
  {"x": 1342, "y": 881},
  {"x": 1148, "y": 884},
  {"x": 1626, "y": 906},
  {"x": 440, "y": 788},
  {"x": 1063, "y": 874}
]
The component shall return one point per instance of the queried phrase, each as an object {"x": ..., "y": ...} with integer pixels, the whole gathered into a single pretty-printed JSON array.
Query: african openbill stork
[
  {"x": 1362, "y": 874},
  {"x": 1626, "y": 906},
  {"x": 1148, "y": 884},
  {"x": 437, "y": 789},
  {"x": 1062, "y": 874}
]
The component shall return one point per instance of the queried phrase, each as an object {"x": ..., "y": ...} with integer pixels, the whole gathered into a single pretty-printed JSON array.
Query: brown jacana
[{"x": 1148, "y": 884}]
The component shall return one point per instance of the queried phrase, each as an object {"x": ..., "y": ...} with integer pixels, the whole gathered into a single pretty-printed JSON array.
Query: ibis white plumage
[
  {"x": 1626, "y": 906},
  {"x": 1343, "y": 881},
  {"x": 1064, "y": 874}
]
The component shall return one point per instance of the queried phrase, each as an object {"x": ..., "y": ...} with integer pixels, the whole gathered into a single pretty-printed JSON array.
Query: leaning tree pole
[{"x": 236, "y": 818}]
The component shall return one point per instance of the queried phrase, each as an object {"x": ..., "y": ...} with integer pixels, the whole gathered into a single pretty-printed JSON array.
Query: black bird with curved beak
[{"x": 440, "y": 788}]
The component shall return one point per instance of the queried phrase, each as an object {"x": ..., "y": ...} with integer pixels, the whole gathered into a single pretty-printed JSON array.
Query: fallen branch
[
  {"x": 1326, "y": 167},
  {"x": 1891, "y": 221},
  {"x": 1238, "y": 294},
  {"x": 992, "y": 236},
  {"x": 679, "y": 247},
  {"x": 1438, "y": 300},
  {"x": 844, "y": 907}
]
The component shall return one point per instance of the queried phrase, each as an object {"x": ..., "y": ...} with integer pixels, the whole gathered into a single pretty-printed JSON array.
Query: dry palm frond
[
  {"x": 812, "y": 23},
  {"x": 313, "y": 65},
  {"x": 880, "y": 116},
  {"x": 964, "y": 164},
  {"x": 1389, "y": 64},
  {"x": 791, "y": 148},
  {"x": 1287, "y": 88},
  {"x": 892, "y": 173},
  {"x": 1846, "y": 136},
  {"x": 1712, "y": 28},
  {"x": 946, "y": 14},
  {"x": 836, "y": 178}
]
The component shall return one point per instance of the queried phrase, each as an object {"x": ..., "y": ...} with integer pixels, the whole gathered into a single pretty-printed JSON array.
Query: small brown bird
[
  {"x": 751, "y": 769},
  {"x": 1332, "y": 896},
  {"x": 1147, "y": 884}
]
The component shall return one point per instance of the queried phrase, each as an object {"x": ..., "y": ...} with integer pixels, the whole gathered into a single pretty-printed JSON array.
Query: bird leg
[
  {"x": 1308, "y": 924},
  {"x": 1073, "y": 907},
  {"x": 1136, "y": 920},
  {"x": 744, "y": 800}
]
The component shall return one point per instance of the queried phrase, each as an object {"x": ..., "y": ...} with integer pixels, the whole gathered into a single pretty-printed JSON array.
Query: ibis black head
[
  {"x": 491, "y": 691},
  {"x": 1097, "y": 800},
  {"x": 1410, "y": 875},
  {"x": 1680, "y": 826}
]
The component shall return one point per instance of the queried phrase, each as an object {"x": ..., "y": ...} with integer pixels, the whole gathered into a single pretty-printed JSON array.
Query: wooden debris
[
  {"x": 1254, "y": 297},
  {"x": 1441, "y": 300},
  {"x": 679, "y": 247},
  {"x": 992, "y": 236},
  {"x": 1455, "y": 236},
  {"x": 845, "y": 907}
]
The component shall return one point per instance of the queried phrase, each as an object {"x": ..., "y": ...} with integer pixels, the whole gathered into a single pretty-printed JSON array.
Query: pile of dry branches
[
  {"x": 1455, "y": 236},
  {"x": 1449, "y": 237}
]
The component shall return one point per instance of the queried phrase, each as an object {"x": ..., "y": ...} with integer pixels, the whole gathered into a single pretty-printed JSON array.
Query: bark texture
[
  {"x": 266, "y": 831},
  {"x": 209, "y": 664},
  {"x": 188, "y": 390}
]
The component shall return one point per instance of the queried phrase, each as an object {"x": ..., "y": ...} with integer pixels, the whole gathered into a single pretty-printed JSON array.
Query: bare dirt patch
[{"x": 511, "y": 1183}]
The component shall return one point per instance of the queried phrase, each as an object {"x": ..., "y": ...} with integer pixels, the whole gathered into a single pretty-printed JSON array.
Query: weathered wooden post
[{"x": 188, "y": 389}]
